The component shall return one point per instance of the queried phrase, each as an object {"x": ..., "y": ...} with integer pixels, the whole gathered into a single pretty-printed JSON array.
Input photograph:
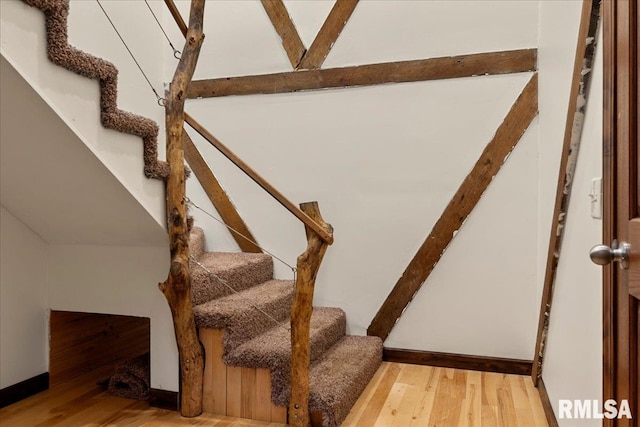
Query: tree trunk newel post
[
  {"x": 177, "y": 287},
  {"x": 307, "y": 270}
]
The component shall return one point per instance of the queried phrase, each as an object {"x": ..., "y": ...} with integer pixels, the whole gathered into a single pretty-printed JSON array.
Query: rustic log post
[
  {"x": 307, "y": 269},
  {"x": 177, "y": 287}
]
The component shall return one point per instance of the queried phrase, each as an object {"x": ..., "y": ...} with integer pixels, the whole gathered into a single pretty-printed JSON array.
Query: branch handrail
[
  {"x": 319, "y": 237},
  {"x": 258, "y": 179}
]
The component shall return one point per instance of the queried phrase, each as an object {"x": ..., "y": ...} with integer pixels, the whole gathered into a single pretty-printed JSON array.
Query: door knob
[{"x": 603, "y": 254}]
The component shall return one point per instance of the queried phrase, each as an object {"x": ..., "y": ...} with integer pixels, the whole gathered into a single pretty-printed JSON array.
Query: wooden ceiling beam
[
  {"x": 479, "y": 64},
  {"x": 464, "y": 201},
  {"x": 328, "y": 34},
  {"x": 279, "y": 17}
]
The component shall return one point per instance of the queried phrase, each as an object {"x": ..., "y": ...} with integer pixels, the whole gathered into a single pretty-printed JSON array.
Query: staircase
[
  {"x": 241, "y": 311},
  {"x": 251, "y": 324}
]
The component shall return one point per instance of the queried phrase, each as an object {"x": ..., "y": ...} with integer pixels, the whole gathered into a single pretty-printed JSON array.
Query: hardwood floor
[
  {"x": 399, "y": 395},
  {"x": 422, "y": 396}
]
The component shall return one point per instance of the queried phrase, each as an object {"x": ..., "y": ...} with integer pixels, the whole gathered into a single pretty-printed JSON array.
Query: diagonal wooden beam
[
  {"x": 208, "y": 181},
  {"x": 328, "y": 34},
  {"x": 506, "y": 137},
  {"x": 258, "y": 179},
  {"x": 218, "y": 197},
  {"x": 279, "y": 17},
  {"x": 176, "y": 16},
  {"x": 479, "y": 64},
  {"x": 582, "y": 71}
]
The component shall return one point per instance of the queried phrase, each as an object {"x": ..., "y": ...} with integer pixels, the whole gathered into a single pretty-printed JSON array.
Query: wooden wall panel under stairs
[
  {"x": 84, "y": 342},
  {"x": 236, "y": 391}
]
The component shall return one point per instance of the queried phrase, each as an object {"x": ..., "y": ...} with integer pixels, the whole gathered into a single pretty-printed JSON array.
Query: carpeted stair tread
[
  {"x": 239, "y": 315},
  {"x": 272, "y": 349},
  {"x": 196, "y": 242},
  {"x": 255, "y": 320},
  {"x": 338, "y": 378},
  {"x": 238, "y": 270}
]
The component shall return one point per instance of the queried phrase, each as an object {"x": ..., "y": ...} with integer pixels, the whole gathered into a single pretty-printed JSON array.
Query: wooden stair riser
[{"x": 236, "y": 391}]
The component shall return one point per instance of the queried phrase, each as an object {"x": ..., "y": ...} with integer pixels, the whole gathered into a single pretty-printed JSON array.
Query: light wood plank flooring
[
  {"x": 422, "y": 396},
  {"x": 399, "y": 395}
]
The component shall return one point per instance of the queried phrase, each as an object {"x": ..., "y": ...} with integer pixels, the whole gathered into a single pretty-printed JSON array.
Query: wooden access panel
[
  {"x": 236, "y": 391},
  {"x": 83, "y": 342}
]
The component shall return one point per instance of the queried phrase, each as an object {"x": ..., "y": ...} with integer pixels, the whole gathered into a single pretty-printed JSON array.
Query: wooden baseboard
[
  {"x": 22, "y": 390},
  {"x": 164, "y": 399},
  {"x": 546, "y": 404},
  {"x": 458, "y": 361}
]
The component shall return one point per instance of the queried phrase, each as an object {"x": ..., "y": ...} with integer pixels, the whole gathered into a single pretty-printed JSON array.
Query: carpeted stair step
[
  {"x": 238, "y": 270},
  {"x": 196, "y": 242},
  {"x": 272, "y": 349},
  {"x": 338, "y": 378},
  {"x": 243, "y": 314},
  {"x": 255, "y": 319}
]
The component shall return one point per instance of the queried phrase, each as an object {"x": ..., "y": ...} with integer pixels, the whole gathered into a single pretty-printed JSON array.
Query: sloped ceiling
[{"x": 53, "y": 183}]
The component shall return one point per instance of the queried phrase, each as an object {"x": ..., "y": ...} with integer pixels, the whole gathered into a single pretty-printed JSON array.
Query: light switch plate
[{"x": 596, "y": 198}]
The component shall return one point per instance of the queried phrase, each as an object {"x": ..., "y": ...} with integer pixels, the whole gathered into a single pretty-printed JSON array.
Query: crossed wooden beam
[
  {"x": 328, "y": 34},
  {"x": 299, "y": 56},
  {"x": 307, "y": 74}
]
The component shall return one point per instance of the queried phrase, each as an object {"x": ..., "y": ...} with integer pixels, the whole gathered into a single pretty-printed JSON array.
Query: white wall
[
  {"x": 119, "y": 280},
  {"x": 384, "y": 161},
  {"x": 68, "y": 196},
  {"x": 114, "y": 257},
  {"x": 76, "y": 99},
  {"x": 573, "y": 364},
  {"x": 23, "y": 301},
  {"x": 36, "y": 277}
]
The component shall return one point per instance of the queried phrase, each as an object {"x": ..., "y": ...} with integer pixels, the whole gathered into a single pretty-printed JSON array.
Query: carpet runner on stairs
[{"x": 254, "y": 310}]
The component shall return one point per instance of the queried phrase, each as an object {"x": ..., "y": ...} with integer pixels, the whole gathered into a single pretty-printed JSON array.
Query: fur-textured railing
[{"x": 61, "y": 53}]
